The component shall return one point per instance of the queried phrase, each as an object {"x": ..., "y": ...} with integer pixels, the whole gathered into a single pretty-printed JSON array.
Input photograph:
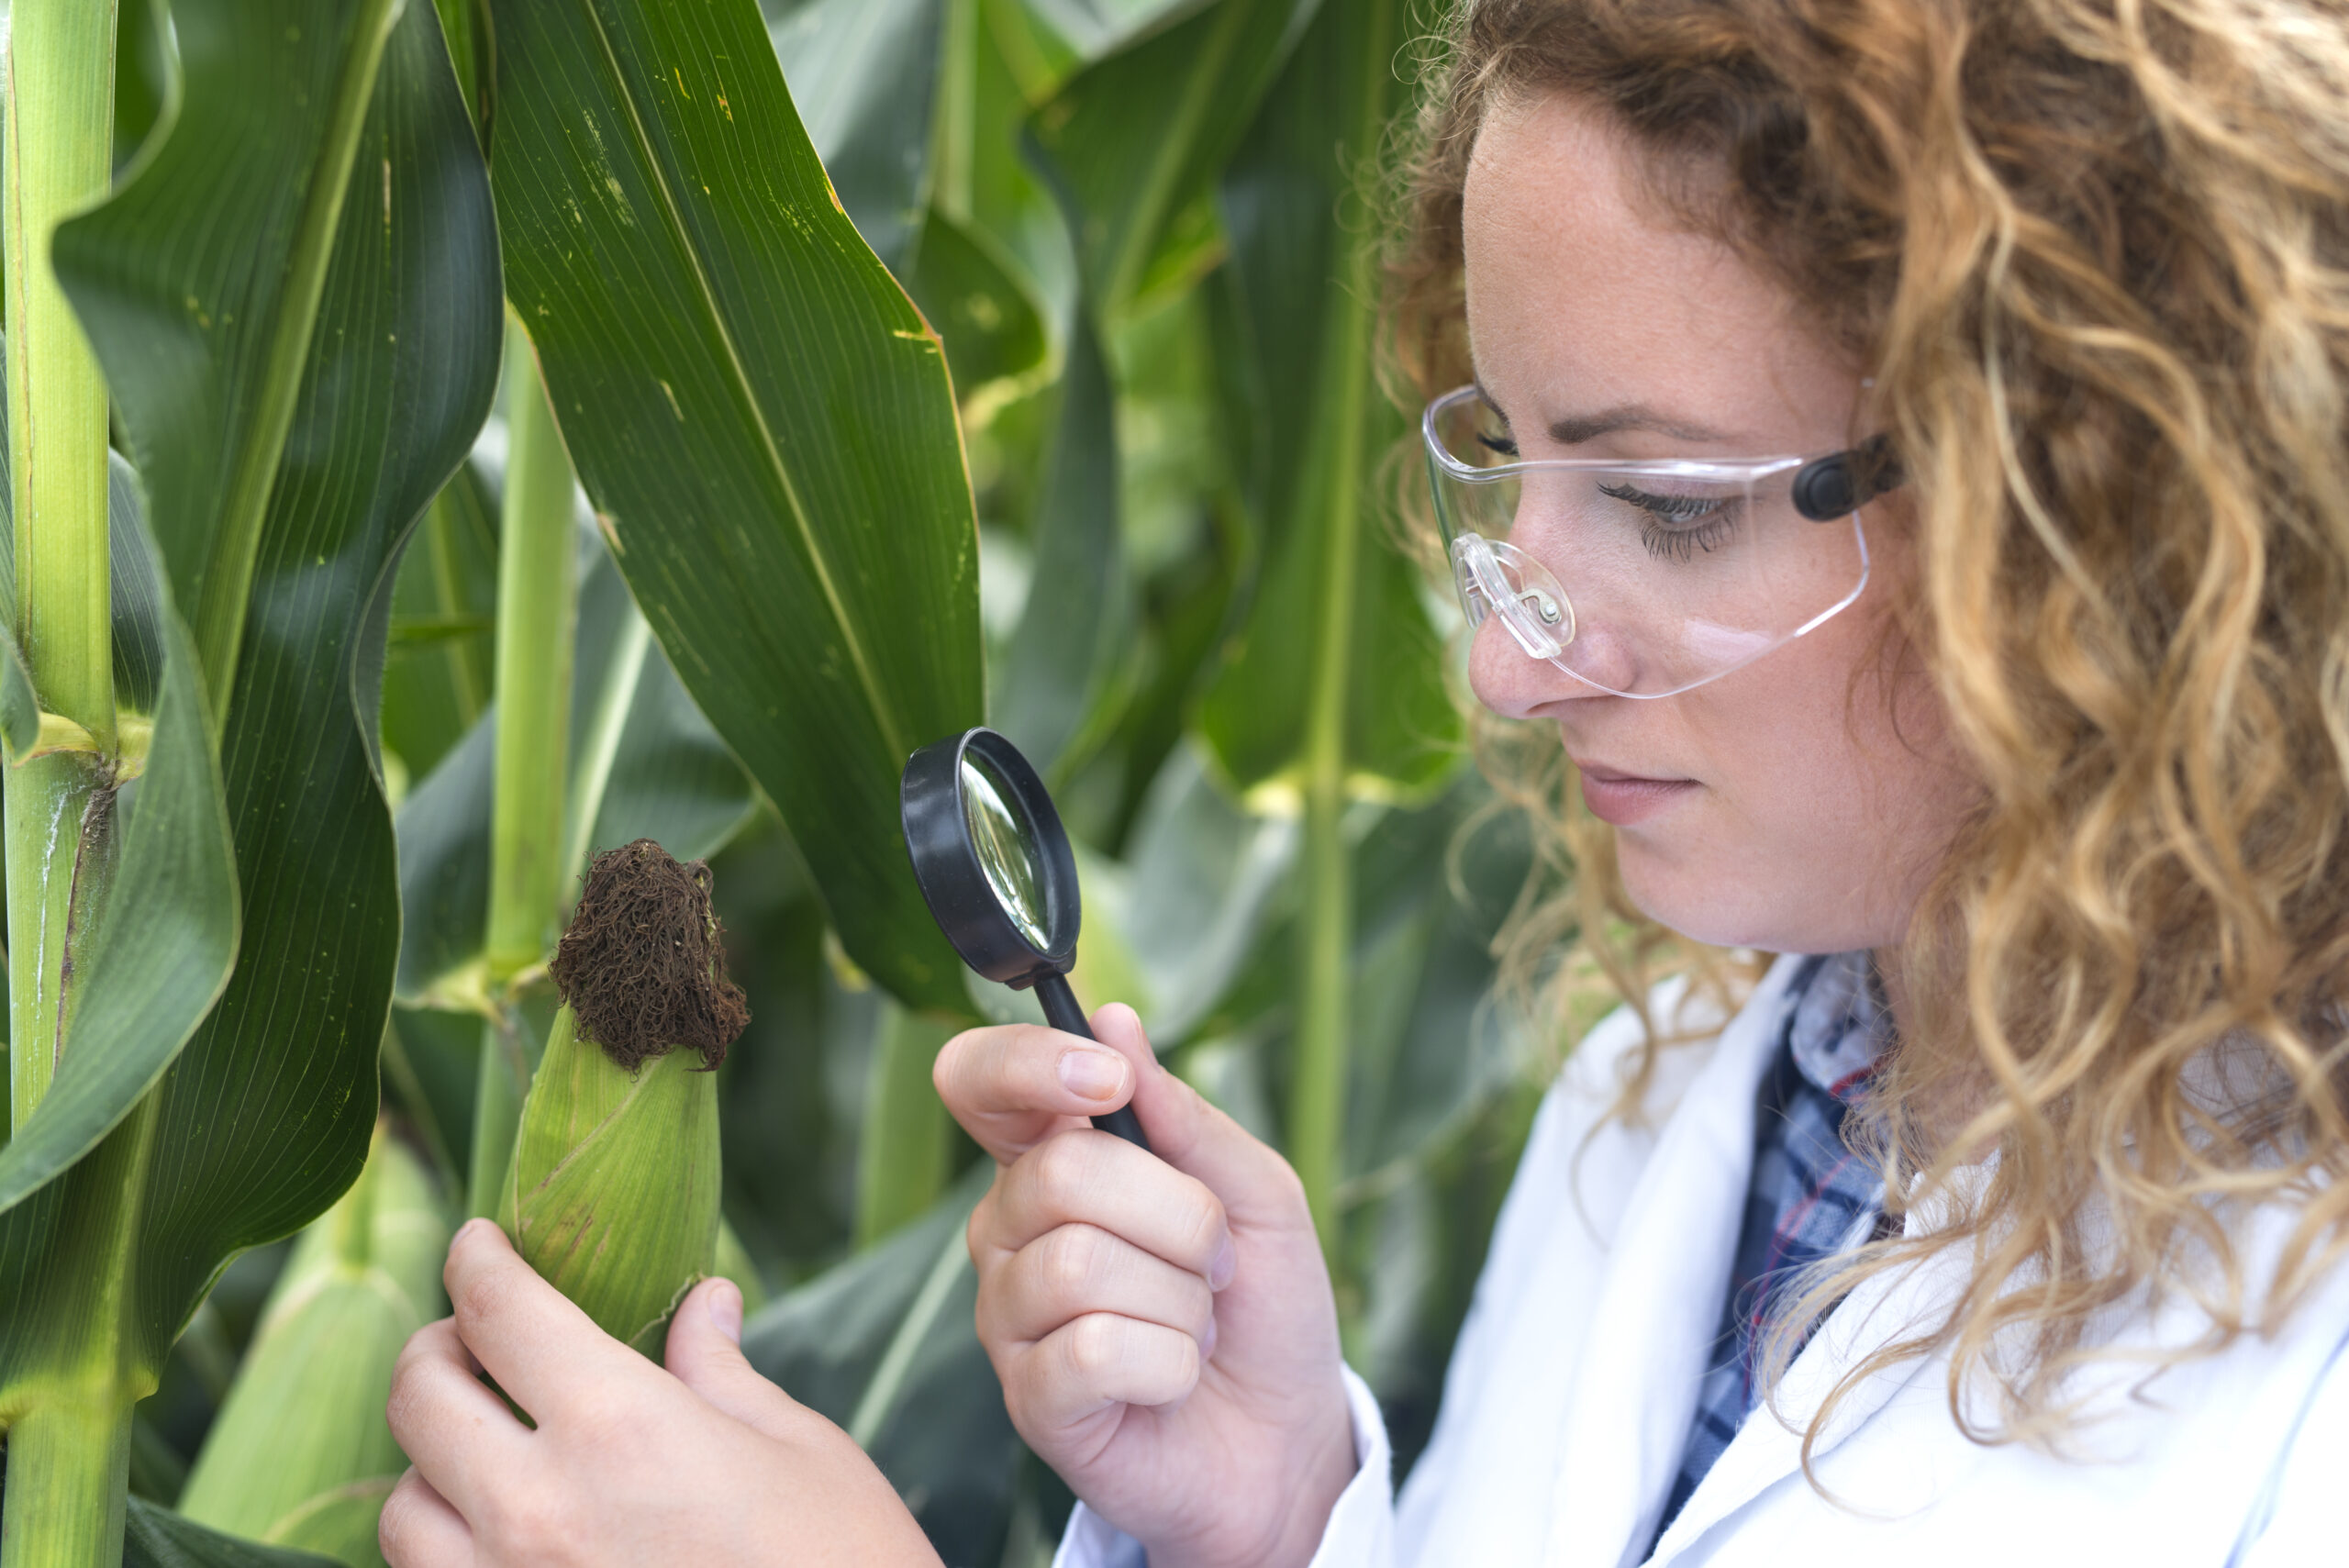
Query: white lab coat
[{"x": 1574, "y": 1379}]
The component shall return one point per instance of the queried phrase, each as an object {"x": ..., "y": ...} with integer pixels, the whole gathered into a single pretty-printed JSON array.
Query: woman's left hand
[{"x": 704, "y": 1462}]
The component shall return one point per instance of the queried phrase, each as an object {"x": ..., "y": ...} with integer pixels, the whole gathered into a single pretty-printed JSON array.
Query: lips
[{"x": 1622, "y": 799}]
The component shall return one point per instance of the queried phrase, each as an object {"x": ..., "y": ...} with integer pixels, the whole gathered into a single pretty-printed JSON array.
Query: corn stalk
[
  {"x": 68, "y": 1462},
  {"x": 538, "y": 615},
  {"x": 181, "y": 1108},
  {"x": 58, "y": 158}
]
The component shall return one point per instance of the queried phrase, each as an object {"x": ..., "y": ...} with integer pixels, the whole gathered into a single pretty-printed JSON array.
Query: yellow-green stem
[
  {"x": 442, "y": 525},
  {"x": 1319, "y": 1102},
  {"x": 1319, "y": 1098},
  {"x": 69, "y": 1449},
  {"x": 69, "y": 1472},
  {"x": 498, "y": 1107},
  {"x": 59, "y": 158},
  {"x": 957, "y": 124},
  {"x": 538, "y": 612}
]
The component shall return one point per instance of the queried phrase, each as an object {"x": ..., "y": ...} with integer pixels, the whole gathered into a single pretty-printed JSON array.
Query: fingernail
[
  {"x": 1096, "y": 1075},
  {"x": 471, "y": 1228},
  {"x": 726, "y": 1309},
  {"x": 1207, "y": 1341},
  {"x": 1227, "y": 1264}
]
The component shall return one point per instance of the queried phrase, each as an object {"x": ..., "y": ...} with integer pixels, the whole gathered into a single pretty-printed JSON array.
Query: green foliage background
[{"x": 1139, "y": 240}]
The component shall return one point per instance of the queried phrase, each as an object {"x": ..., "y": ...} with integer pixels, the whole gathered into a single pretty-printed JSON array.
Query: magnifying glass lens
[{"x": 1006, "y": 845}]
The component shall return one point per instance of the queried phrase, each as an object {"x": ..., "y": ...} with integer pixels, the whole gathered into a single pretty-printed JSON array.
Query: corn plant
[
  {"x": 290, "y": 303},
  {"x": 322, "y": 692},
  {"x": 300, "y": 1454}
]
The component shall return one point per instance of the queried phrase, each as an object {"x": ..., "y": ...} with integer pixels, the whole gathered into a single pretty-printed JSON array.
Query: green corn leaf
[
  {"x": 159, "y": 952},
  {"x": 1429, "y": 1052},
  {"x": 437, "y": 669},
  {"x": 464, "y": 25},
  {"x": 887, "y": 1345},
  {"x": 970, "y": 291},
  {"x": 984, "y": 184},
  {"x": 905, "y": 1147},
  {"x": 158, "y": 1537},
  {"x": 863, "y": 73},
  {"x": 252, "y": 205},
  {"x": 1333, "y": 686},
  {"x": 300, "y": 1453},
  {"x": 1088, "y": 29},
  {"x": 1078, "y": 618},
  {"x": 400, "y": 376},
  {"x": 1134, "y": 140},
  {"x": 19, "y": 705},
  {"x": 264, "y": 1115},
  {"x": 137, "y": 591},
  {"x": 1305, "y": 288},
  {"x": 1194, "y": 893},
  {"x": 761, "y": 418}
]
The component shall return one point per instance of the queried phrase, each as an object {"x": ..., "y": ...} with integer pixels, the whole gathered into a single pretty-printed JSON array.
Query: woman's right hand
[{"x": 1162, "y": 1322}]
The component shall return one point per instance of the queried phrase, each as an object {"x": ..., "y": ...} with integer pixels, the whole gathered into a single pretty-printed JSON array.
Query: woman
[{"x": 2013, "y": 707}]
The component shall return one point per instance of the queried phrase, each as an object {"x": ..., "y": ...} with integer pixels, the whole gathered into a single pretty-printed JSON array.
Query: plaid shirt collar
[
  {"x": 1839, "y": 1027},
  {"x": 1809, "y": 1196}
]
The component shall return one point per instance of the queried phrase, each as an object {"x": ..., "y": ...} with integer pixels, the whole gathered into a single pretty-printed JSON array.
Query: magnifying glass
[{"x": 996, "y": 869}]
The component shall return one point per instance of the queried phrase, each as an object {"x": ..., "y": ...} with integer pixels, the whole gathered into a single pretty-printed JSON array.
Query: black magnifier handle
[{"x": 1062, "y": 1012}]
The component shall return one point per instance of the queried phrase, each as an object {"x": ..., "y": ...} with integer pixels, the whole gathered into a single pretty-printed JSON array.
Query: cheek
[{"x": 1825, "y": 814}]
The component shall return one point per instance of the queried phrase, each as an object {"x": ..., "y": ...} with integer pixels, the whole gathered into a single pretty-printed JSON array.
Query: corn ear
[
  {"x": 613, "y": 1192},
  {"x": 300, "y": 1454}
]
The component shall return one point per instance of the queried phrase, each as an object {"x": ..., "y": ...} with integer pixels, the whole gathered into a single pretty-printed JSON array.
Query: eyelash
[{"x": 1674, "y": 542}]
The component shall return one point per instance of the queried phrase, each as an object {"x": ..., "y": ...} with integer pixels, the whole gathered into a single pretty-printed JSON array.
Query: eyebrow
[{"x": 1576, "y": 429}]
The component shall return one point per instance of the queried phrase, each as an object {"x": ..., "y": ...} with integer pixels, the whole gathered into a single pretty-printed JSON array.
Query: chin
[{"x": 1718, "y": 912}]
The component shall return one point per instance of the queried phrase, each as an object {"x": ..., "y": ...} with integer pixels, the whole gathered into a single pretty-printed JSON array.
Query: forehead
[{"x": 1583, "y": 291}]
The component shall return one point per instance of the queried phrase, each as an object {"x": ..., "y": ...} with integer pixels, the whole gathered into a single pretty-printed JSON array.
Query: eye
[
  {"x": 1679, "y": 526},
  {"x": 1502, "y": 443},
  {"x": 1677, "y": 509}
]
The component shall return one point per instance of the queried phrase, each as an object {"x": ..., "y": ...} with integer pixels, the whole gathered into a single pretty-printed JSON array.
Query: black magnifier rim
[{"x": 953, "y": 882}]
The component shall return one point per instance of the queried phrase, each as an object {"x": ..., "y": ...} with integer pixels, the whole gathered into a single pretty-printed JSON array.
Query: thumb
[
  {"x": 705, "y": 1354},
  {"x": 1253, "y": 1183}
]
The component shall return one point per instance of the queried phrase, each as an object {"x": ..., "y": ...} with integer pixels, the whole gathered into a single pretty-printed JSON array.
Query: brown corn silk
[{"x": 641, "y": 964}]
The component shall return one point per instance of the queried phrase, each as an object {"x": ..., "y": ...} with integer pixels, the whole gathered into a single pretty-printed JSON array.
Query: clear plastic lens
[
  {"x": 1007, "y": 849},
  {"x": 1641, "y": 579}
]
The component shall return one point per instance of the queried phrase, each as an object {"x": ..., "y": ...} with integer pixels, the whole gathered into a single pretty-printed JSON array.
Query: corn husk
[
  {"x": 300, "y": 1454},
  {"x": 613, "y": 1192},
  {"x": 734, "y": 1262}
]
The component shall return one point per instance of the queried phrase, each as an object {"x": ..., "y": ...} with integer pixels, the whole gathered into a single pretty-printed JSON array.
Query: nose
[{"x": 1514, "y": 684}]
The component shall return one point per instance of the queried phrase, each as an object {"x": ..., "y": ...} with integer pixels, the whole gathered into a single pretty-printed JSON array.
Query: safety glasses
[{"x": 1647, "y": 579}]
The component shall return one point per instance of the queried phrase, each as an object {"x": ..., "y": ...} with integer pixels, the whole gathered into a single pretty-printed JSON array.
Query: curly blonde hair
[{"x": 2092, "y": 254}]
